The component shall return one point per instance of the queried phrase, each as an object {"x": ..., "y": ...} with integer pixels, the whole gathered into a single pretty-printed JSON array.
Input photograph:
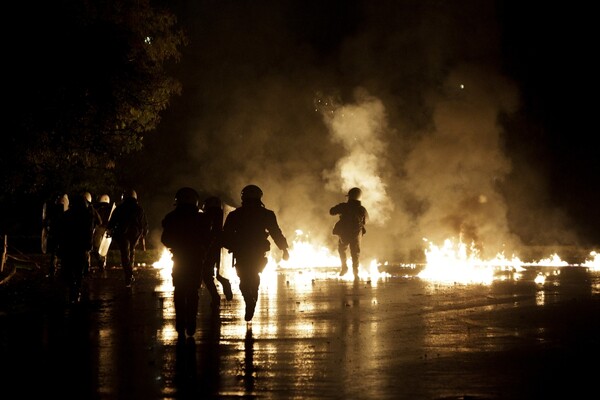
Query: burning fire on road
[{"x": 454, "y": 262}]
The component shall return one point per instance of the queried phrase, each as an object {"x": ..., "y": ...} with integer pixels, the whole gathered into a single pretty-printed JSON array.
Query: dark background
[{"x": 254, "y": 70}]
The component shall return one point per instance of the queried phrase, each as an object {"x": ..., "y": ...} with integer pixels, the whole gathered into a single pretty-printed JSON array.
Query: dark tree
[
  {"x": 86, "y": 80},
  {"x": 89, "y": 80}
]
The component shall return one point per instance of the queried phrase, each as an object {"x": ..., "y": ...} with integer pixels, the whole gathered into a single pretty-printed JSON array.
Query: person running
[
  {"x": 245, "y": 234},
  {"x": 186, "y": 233},
  {"x": 350, "y": 228},
  {"x": 213, "y": 208}
]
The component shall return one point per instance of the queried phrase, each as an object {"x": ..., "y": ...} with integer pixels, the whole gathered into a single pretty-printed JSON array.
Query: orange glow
[
  {"x": 594, "y": 262},
  {"x": 452, "y": 263},
  {"x": 455, "y": 262},
  {"x": 304, "y": 255}
]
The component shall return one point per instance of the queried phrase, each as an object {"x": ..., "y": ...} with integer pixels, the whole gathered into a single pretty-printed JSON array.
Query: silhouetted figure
[
  {"x": 104, "y": 209},
  {"x": 350, "y": 228},
  {"x": 186, "y": 367},
  {"x": 213, "y": 208},
  {"x": 75, "y": 242},
  {"x": 51, "y": 218},
  {"x": 97, "y": 222},
  {"x": 128, "y": 226},
  {"x": 245, "y": 234},
  {"x": 186, "y": 233},
  {"x": 249, "y": 368}
]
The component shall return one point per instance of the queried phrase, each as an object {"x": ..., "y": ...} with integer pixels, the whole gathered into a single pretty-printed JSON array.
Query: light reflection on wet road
[{"x": 313, "y": 337}]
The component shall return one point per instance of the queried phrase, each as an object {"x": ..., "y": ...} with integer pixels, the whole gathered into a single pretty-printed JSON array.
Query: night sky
[{"x": 470, "y": 117}]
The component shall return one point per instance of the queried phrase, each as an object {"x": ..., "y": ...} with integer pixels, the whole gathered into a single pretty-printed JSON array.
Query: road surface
[{"x": 314, "y": 336}]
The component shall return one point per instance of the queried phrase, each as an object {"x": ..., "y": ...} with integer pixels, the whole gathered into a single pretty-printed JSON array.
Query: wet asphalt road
[{"x": 314, "y": 336}]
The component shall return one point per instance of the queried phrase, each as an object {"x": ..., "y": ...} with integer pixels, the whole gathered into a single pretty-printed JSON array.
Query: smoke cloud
[{"x": 402, "y": 99}]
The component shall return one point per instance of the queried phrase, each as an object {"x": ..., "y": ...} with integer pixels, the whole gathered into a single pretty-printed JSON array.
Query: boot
[
  {"x": 226, "y": 286},
  {"x": 355, "y": 268},
  {"x": 250, "y": 307},
  {"x": 344, "y": 269}
]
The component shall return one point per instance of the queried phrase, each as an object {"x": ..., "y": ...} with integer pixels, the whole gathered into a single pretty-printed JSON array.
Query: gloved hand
[{"x": 286, "y": 255}]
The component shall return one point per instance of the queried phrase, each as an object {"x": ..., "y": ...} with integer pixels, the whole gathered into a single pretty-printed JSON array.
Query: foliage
[{"x": 89, "y": 79}]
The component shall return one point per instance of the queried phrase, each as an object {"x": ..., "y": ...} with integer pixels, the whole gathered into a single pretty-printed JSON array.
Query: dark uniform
[
  {"x": 350, "y": 228},
  {"x": 186, "y": 233},
  {"x": 103, "y": 207},
  {"x": 75, "y": 242},
  {"x": 245, "y": 234},
  {"x": 97, "y": 222},
  {"x": 127, "y": 226},
  {"x": 213, "y": 208},
  {"x": 53, "y": 214}
]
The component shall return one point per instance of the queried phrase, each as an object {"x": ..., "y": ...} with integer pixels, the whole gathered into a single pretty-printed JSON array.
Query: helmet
[
  {"x": 87, "y": 196},
  {"x": 64, "y": 200},
  {"x": 104, "y": 199},
  {"x": 212, "y": 202},
  {"x": 129, "y": 193},
  {"x": 354, "y": 193},
  {"x": 252, "y": 192},
  {"x": 78, "y": 201},
  {"x": 187, "y": 195}
]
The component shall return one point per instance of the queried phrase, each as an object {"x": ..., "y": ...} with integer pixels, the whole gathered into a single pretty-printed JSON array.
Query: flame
[
  {"x": 165, "y": 266},
  {"x": 553, "y": 261},
  {"x": 166, "y": 260},
  {"x": 454, "y": 262},
  {"x": 313, "y": 259},
  {"x": 304, "y": 254},
  {"x": 594, "y": 263}
]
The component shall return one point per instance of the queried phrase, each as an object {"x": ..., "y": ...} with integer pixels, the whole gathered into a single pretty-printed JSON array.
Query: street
[{"x": 314, "y": 336}]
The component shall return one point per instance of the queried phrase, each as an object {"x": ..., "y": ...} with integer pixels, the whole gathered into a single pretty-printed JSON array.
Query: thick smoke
[
  {"x": 457, "y": 167},
  {"x": 402, "y": 99},
  {"x": 360, "y": 129}
]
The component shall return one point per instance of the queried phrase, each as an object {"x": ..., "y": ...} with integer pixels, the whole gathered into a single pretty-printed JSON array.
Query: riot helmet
[
  {"x": 187, "y": 195},
  {"x": 64, "y": 201},
  {"x": 354, "y": 193},
  {"x": 251, "y": 192},
  {"x": 88, "y": 197},
  {"x": 212, "y": 202},
  {"x": 104, "y": 199},
  {"x": 78, "y": 201},
  {"x": 129, "y": 193}
]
